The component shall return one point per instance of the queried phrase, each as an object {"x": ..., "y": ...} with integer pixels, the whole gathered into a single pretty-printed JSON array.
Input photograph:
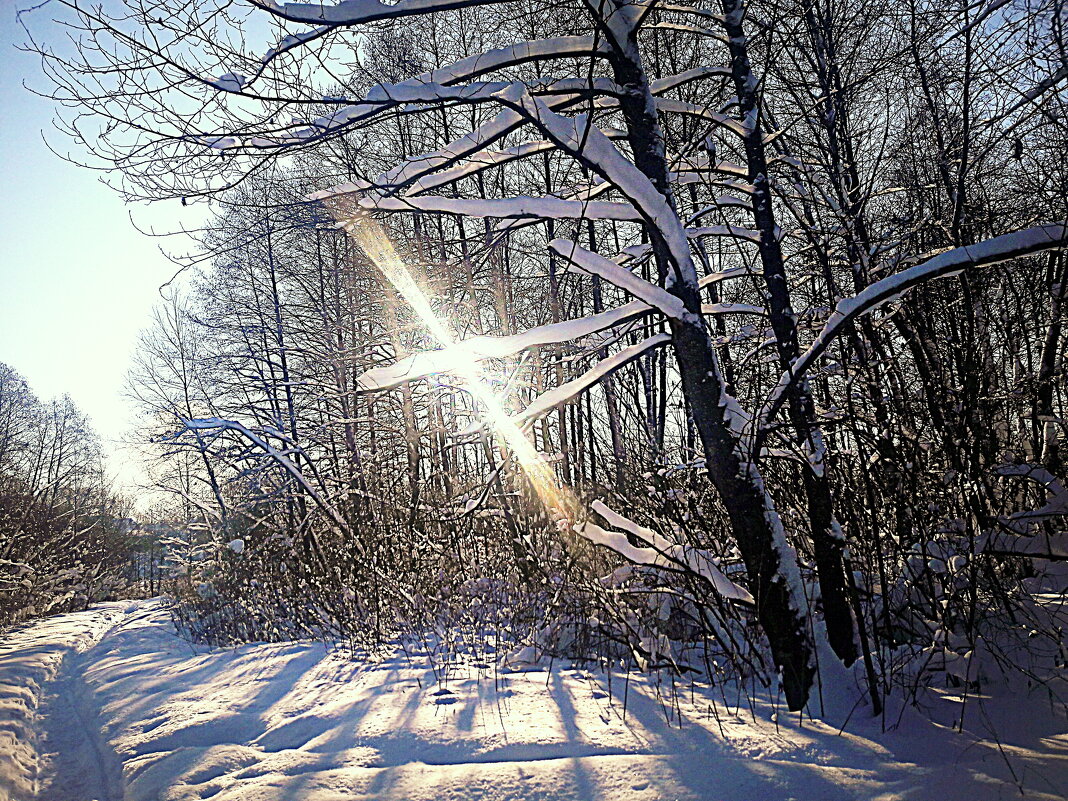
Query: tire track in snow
[
  {"x": 75, "y": 761},
  {"x": 51, "y": 748}
]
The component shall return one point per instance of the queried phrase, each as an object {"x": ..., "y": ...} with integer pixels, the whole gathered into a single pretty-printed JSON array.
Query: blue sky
[{"x": 77, "y": 280}]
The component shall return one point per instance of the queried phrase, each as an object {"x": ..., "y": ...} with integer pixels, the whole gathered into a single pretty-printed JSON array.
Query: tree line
[{"x": 62, "y": 540}]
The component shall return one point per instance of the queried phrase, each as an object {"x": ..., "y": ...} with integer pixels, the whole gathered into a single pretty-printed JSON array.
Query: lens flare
[{"x": 375, "y": 242}]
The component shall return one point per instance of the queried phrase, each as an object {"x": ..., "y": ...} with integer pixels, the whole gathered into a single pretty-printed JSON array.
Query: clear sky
[{"x": 77, "y": 280}]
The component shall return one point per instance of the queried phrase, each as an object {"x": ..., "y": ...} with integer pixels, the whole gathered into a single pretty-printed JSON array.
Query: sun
[{"x": 373, "y": 240}]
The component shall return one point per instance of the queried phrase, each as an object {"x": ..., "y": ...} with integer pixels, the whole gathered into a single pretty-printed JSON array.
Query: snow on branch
[
  {"x": 727, "y": 231},
  {"x": 703, "y": 112},
  {"x": 492, "y": 60},
  {"x": 670, "y": 82},
  {"x": 421, "y": 94},
  {"x": 596, "y": 264},
  {"x": 1032, "y": 94},
  {"x": 482, "y": 160},
  {"x": 523, "y": 207},
  {"x": 219, "y": 424},
  {"x": 661, "y": 553},
  {"x": 569, "y": 390},
  {"x": 468, "y": 155},
  {"x": 408, "y": 100},
  {"x": 406, "y": 97},
  {"x": 991, "y": 251},
  {"x": 415, "y": 167},
  {"x": 726, "y": 275},
  {"x": 1040, "y": 546},
  {"x": 357, "y": 12},
  {"x": 733, "y": 308},
  {"x": 1058, "y": 503},
  {"x": 640, "y": 251},
  {"x": 280, "y": 458},
  {"x": 482, "y": 348},
  {"x": 419, "y": 171},
  {"x": 557, "y": 93},
  {"x": 587, "y": 143},
  {"x": 424, "y": 363},
  {"x": 293, "y": 41},
  {"x": 230, "y": 82}
]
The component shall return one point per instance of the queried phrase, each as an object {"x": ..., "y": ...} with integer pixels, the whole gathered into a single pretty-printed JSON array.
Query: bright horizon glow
[
  {"x": 375, "y": 242},
  {"x": 77, "y": 280}
]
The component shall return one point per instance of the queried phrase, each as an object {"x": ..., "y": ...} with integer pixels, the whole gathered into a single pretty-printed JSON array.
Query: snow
[
  {"x": 230, "y": 82},
  {"x": 523, "y": 207},
  {"x": 479, "y": 162},
  {"x": 1042, "y": 545},
  {"x": 280, "y": 458},
  {"x": 1058, "y": 503},
  {"x": 413, "y": 95},
  {"x": 661, "y": 553},
  {"x": 131, "y": 711},
  {"x": 722, "y": 202},
  {"x": 292, "y": 41},
  {"x": 579, "y": 135},
  {"x": 730, "y": 231},
  {"x": 697, "y": 73},
  {"x": 732, "y": 308},
  {"x": 39, "y": 678},
  {"x": 596, "y": 264},
  {"x": 951, "y": 262},
  {"x": 462, "y": 354},
  {"x": 705, "y": 113},
  {"x": 521, "y": 52},
  {"x": 357, "y": 12},
  {"x": 549, "y": 400}
]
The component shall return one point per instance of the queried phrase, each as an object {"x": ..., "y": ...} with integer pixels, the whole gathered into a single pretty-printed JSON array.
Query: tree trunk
[
  {"x": 754, "y": 520},
  {"x": 827, "y": 540}
]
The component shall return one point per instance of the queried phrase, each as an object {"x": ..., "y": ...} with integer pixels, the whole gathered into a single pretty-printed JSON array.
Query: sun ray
[{"x": 373, "y": 240}]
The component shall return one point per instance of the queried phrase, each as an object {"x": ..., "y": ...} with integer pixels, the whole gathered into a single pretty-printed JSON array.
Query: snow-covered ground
[{"x": 110, "y": 704}]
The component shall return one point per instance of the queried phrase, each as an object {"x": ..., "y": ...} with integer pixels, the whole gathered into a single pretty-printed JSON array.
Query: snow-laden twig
[
  {"x": 556, "y": 396},
  {"x": 480, "y": 348},
  {"x": 287, "y": 464},
  {"x": 596, "y": 264},
  {"x": 661, "y": 552},
  {"x": 991, "y": 251},
  {"x": 523, "y": 207},
  {"x": 359, "y": 12},
  {"x": 280, "y": 458},
  {"x": 1058, "y": 503}
]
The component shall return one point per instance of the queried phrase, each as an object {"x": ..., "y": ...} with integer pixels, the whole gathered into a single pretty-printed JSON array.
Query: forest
[
  {"x": 63, "y": 539},
  {"x": 722, "y": 342}
]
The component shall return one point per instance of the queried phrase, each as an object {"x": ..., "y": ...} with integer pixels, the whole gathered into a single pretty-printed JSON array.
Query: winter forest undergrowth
[{"x": 719, "y": 346}]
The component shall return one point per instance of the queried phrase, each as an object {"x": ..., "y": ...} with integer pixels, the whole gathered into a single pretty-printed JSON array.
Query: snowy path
[
  {"x": 76, "y": 763},
  {"x": 131, "y": 712},
  {"x": 50, "y": 740}
]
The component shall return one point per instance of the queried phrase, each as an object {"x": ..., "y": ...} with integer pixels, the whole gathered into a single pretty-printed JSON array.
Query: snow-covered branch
[
  {"x": 359, "y": 12},
  {"x": 569, "y": 390},
  {"x": 596, "y": 264},
  {"x": 661, "y": 552},
  {"x": 425, "y": 363},
  {"x": 523, "y": 207},
  {"x": 280, "y": 458},
  {"x": 991, "y": 251}
]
